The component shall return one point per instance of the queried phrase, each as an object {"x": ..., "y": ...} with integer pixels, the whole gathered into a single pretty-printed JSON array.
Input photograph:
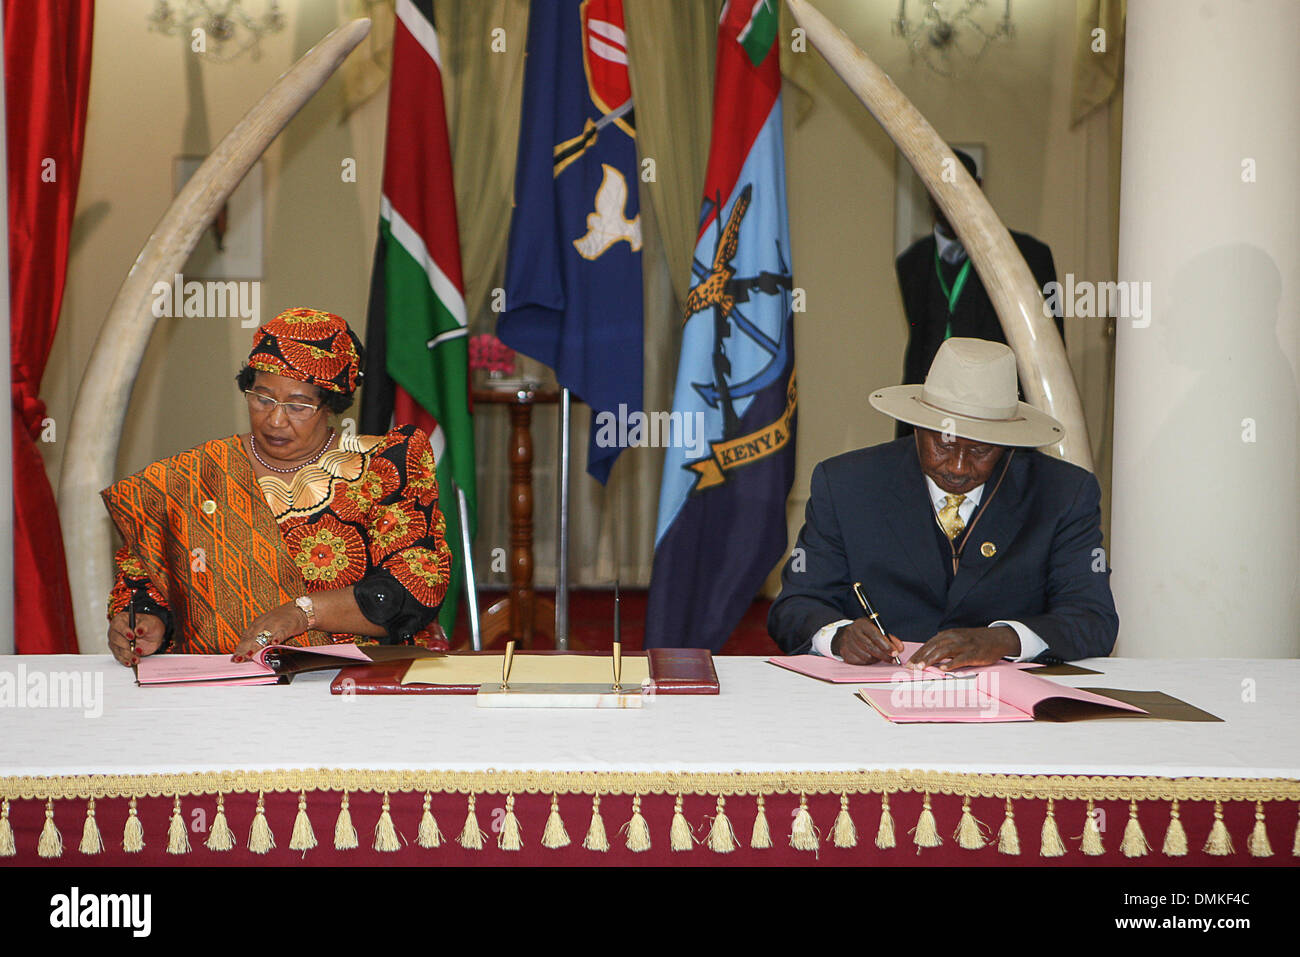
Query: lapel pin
[{"x": 988, "y": 549}]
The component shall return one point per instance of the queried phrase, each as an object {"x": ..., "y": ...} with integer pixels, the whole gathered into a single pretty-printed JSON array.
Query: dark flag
[{"x": 573, "y": 271}]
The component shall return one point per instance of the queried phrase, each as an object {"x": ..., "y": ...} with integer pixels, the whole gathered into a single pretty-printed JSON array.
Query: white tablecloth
[{"x": 767, "y": 719}]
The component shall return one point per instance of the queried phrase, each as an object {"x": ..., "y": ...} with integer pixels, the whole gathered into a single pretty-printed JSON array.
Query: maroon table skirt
[{"x": 512, "y": 829}]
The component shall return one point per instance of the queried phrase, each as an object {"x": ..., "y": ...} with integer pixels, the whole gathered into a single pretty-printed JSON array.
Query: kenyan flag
[{"x": 417, "y": 354}]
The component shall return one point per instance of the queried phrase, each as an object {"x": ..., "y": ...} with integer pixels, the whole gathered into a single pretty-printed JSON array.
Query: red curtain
[{"x": 47, "y": 80}]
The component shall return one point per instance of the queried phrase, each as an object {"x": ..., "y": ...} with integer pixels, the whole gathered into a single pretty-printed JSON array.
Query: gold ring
[{"x": 263, "y": 638}]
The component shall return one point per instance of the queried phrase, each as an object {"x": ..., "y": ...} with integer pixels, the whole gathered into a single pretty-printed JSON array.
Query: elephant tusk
[
  {"x": 1040, "y": 355},
  {"x": 100, "y": 407}
]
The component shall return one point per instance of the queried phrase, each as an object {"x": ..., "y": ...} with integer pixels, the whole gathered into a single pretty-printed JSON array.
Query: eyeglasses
[{"x": 296, "y": 411}]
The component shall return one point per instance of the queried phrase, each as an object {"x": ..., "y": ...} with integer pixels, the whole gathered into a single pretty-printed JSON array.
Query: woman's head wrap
[{"x": 310, "y": 346}]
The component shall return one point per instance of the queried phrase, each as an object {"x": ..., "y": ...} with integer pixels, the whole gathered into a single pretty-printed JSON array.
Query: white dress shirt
[
  {"x": 1031, "y": 646},
  {"x": 951, "y": 250}
]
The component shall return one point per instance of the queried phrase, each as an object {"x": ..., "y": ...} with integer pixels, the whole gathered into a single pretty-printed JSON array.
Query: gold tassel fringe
[
  {"x": 845, "y": 833},
  {"x": 91, "y": 840},
  {"x": 760, "y": 837},
  {"x": 471, "y": 835},
  {"x": 8, "y": 848},
  {"x": 680, "y": 837},
  {"x": 345, "y": 835},
  {"x": 428, "y": 835},
  {"x": 1134, "y": 843},
  {"x": 260, "y": 838},
  {"x": 385, "y": 833},
  {"x": 1295, "y": 844},
  {"x": 303, "y": 837},
  {"x": 220, "y": 837},
  {"x": 555, "y": 836},
  {"x": 596, "y": 839},
  {"x": 51, "y": 841},
  {"x": 969, "y": 835},
  {"x": 1091, "y": 843},
  {"x": 511, "y": 837},
  {"x": 1050, "y": 843},
  {"x": 638, "y": 831},
  {"x": 803, "y": 833},
  {"x": 721, "y": 837},
  {"x": 1175, "y": 837},
  {"x": 1219, "y": 843},
  {"x": 1008, "y": 836},
  {"x": 885, "y": 832},
  {"x": 133, "y": 835},
  {"x": 1257, "y": 843},
  {"x": 178, "y": 837},
  {"x": 926, "y": 832}
]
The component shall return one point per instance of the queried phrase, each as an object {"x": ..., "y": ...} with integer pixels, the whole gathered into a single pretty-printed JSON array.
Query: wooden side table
[{"x": 521, "y": 614}]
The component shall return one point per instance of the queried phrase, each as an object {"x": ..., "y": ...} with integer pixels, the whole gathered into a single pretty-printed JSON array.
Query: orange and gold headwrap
[{"x": 310, "y": 346}]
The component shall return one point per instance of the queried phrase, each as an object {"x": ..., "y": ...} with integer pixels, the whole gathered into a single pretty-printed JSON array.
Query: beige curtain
[
  {"x": 1098, "y": 55},
  {"x": 1083, "y": 146}
]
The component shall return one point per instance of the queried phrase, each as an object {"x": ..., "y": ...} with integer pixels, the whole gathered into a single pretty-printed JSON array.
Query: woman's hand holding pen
[
  {"x": 149, "y": 635},
  {"x": 861, "y": 643}
]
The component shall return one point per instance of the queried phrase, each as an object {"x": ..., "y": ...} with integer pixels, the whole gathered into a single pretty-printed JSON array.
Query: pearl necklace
[{"x": 252, "y": 442}]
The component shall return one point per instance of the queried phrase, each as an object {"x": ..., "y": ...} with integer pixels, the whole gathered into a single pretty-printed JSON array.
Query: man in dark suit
[
  {"x": 943, "y": 296},
  {"x": 963, "y": 536}
]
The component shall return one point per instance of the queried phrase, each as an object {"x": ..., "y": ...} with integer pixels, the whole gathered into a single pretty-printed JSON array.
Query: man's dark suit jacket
[
  {"x": 869, "y": 519},
  {"x": 974, "y": 317}
]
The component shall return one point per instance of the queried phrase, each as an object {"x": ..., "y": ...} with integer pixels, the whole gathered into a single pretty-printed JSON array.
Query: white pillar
[{"x": 1205, "y": 524}]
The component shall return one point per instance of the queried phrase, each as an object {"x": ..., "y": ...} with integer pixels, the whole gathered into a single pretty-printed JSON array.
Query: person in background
[{"x": 943, "y": 296}]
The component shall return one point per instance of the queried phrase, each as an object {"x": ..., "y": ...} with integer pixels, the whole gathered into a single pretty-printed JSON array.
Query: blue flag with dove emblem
[{"x": 573, "y": 269}]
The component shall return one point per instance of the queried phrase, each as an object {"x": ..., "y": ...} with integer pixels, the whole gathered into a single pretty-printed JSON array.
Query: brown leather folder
[
  {"x": 673, "y": 671},
  {"x": 289, "y": 660},
  {"x": 1157, "y": 705}
]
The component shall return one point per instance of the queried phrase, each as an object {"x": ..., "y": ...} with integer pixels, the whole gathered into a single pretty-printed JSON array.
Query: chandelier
[
  {"x": 951, "y": 35},
  {"x": 220, "y": 30}
]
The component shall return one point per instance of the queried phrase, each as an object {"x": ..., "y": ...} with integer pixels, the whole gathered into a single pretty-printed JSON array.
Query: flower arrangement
[{"x": 489, "y": 353}]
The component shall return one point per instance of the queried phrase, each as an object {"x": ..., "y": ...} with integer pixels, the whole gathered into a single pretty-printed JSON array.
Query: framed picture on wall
[
  {"x": 912, "y": 218},
  {"x": 231, "y": 246}
]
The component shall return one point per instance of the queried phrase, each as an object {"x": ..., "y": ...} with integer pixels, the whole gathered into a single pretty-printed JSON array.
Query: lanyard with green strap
[{"x": 955, "y": 293}]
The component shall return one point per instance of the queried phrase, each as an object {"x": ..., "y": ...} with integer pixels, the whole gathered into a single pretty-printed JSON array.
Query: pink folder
[
  {"x": 995, "y": 693},
  {"x": 882, "y": 672},
  {"x": 199, "y": 670}
]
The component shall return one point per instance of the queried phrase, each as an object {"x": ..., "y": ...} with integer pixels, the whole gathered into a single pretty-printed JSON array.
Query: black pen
[
  {"x": 130, "y": 619},
  {"x": 873, "y": 615}
]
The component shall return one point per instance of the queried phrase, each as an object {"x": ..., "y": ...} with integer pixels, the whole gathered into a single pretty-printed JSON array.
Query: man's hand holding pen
[{"x": 861, "y": 643}]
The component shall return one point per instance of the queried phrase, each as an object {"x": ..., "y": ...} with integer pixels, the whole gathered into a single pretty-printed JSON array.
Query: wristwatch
[{"x": 308, "y": 609}]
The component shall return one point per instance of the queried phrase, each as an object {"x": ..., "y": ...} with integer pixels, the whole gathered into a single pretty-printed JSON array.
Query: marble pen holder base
[{"x": 490, "y": 695}]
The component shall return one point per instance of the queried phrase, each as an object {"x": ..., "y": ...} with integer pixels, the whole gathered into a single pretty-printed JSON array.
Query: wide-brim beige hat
[{"x": 971, "y": 392}]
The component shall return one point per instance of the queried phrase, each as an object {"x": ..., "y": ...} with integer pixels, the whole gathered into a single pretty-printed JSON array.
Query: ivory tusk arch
[
  {"x": 100, "y": 407},
  {"x": 1040, "y": 355}
]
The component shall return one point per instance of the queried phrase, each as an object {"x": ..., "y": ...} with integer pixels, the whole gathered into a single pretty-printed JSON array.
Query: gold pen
[
  {"x": 873, "y": 615},
  {"x": 618, "y": 644},
  {"x": 506, "y": 664}
]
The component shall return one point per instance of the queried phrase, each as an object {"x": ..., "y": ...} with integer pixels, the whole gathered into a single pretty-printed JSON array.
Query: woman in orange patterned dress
[{"x": 290, "y": 532}]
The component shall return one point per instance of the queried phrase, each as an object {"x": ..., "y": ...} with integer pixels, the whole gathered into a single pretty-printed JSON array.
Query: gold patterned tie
[{"x": 949, "y": 517}]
